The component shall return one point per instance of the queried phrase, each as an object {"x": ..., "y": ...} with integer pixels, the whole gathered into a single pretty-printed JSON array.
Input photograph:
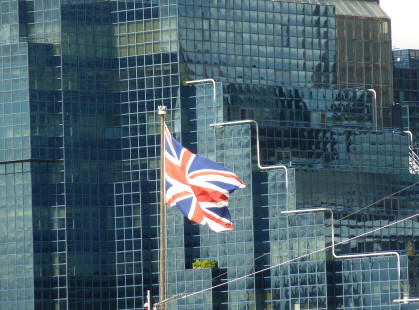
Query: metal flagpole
[
  {"x": 162, "y": 113},
  {"x": 149, "y": 305}
]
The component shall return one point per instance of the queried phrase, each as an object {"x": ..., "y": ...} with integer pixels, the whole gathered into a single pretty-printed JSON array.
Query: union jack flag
[{"x": 197, "y": 186}]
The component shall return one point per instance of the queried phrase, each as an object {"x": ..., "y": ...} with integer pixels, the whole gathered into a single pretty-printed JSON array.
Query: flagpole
[{"x": 162, "y": 276}]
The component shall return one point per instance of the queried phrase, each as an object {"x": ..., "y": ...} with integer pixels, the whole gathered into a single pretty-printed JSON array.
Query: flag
[{"x": 197, "y": 186}]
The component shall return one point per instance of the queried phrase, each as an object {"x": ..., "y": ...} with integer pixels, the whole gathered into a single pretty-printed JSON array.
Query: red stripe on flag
[
  {"x": 176, "y": 196},
  {"x": 200, "y": 173},
  {"x": 186, "y": 156},
  {"x": 218, "y": 221},
  {"x": 198, "y": 214},
  {"x": 208, "y": 195},
  {"x": 175, "y": 172}
]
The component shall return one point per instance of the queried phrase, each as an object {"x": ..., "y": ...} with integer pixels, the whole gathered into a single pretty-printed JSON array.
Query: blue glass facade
[
  {"x": 406, "y": 90},
  {"x": 145, "y": 34},
  {"x": 405, "y": 117},
  {"x": 80, "y": 83}
]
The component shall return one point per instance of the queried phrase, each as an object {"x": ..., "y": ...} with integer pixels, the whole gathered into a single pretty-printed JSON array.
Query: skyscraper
[
  {"x": 406, "y": 90},
  {"x": 79, "y": 153}
]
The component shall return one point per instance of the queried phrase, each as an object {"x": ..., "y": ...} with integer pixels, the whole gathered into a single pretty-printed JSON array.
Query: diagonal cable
[
  {"x": 378, "y": 201},
  {"x": 302, "y": 256}
]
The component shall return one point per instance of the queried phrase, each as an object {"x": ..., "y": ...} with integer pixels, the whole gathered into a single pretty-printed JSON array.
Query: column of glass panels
[{"x": 146, "y": 38}]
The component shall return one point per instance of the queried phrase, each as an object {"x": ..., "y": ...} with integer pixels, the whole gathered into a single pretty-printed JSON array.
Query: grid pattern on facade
[
  {"x": 258, "y": 42},
  {"x": 145, "y": 34},
  {"x": 364, "y": 58},
  {"x": 14, "y": 105},
  {"x": 366, "y": 283},
  {"x": 406, "y": 91},
  {"x": 16, "y": 238},
  {"x": 79, "y": 152}
]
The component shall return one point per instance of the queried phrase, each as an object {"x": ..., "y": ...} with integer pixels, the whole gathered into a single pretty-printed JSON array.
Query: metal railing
[
  {"x": 353, "y": 255},
  {"x": 413, "y": 161},
  {"x": 413, "y": 157},
  {"x": 258, "y": 150},
  {"x": 215, "y": 124},
  {"x": 214, "y": 92}
]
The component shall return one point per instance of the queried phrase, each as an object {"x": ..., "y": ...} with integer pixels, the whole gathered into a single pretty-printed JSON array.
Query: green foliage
[
  {"x": 410, "y": 249},
  {"x": 204, "y": 264}
]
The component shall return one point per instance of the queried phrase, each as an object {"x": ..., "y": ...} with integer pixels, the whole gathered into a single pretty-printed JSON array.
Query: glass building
[
  {"x": 406, "y": 90},
  {"x": 80, "y": 82}
]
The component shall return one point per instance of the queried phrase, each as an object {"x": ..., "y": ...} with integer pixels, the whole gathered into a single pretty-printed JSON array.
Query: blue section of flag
[
  {"x": 184, "y": 205},
  {"x": 204, "y": 163}
]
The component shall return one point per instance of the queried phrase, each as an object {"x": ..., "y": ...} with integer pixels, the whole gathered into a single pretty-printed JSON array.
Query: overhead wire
[
  {"x": 177, "y": 296},
  {"x": 378, "y": 201},
  {"x": 183, "y": 295},
  {"x": 300, "y": 257},
  {"x": 353, "y": 213},
  {"x": 224, "y": 273}
]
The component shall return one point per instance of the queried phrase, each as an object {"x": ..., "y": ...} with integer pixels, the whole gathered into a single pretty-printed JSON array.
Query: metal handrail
[
  {"x": 350, "y": 255},
  {"x": 410, "y": 135},
  {"x": 257, "y": 147},
  {"x": 374, "y": 93},
  {"x": 413, "y": 161},
  {"x": 414, "y": 155},
  {"x": 238, "y": 123},
  {"x": 406, "y": 300},
  {"x": 214, "y": 94}
]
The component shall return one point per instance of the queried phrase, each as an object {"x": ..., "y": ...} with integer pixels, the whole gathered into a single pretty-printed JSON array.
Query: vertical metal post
[
  {"x": 162, "y": 275},
  {"x": 410, "y": 137},
  {"x": 150, "y": 306},
  {"x": 374, "y": 93}
]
